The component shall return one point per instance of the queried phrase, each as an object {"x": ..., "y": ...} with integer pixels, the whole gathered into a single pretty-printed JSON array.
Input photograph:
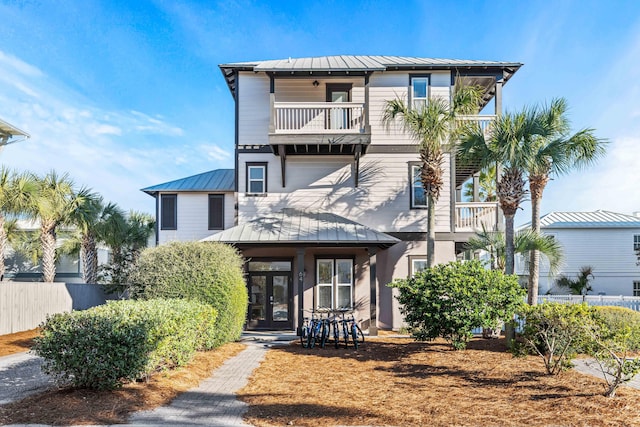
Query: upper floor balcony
[
  {"x": 295, "y": 118},
  {"x": 476, "y": 216}
]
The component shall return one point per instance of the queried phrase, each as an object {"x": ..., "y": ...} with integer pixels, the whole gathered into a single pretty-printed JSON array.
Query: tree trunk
[
  {"x": 48, "y": 239},
  {"x": 509, "y": 249},
  {"x": 89, "y": 259},
  {"x": 3, "y": 246},
  {"x": 537, "y": 183},
  {"x": 431, "y": 231}
]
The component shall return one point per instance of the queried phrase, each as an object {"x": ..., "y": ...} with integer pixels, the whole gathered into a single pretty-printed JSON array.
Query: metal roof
[
  {"x": 361, "y": 64},
  {"x": 8, "y": 131},
  {"x": 296, "y": 227},
  {"x": 215, "y": 180},
  {"x": 596, "y": 219}
]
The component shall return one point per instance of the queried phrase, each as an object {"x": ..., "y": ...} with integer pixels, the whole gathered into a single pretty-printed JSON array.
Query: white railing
[
  {"x": 616, "y": 300},
  {"x": 318, "y": 117},
  {"x": 482, "y": 120},
  {"x": 473, "y": 216}
]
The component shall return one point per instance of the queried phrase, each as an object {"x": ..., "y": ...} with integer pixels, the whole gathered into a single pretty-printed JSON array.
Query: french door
[{"x": 270, "y": 300}]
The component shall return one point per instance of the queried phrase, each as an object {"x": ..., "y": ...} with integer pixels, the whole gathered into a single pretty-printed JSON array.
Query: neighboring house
[
  {"x": 20, "y": 267},
  {"x": 605, "y": 241},
  {"x": 325, "y": 201}
]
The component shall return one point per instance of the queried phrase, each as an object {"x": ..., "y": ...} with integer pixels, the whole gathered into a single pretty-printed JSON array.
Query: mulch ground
[
  {"x": 399, "y": 382},
  {"x": 75, "y": 406},
  {"x": 17, "y": 343}
]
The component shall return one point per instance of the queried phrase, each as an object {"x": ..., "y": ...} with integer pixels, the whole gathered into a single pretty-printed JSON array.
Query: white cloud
[{"x": 214, "y": 152}]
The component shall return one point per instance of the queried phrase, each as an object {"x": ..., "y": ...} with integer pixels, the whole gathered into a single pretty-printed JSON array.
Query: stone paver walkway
[{"x": 590, "y": 367}]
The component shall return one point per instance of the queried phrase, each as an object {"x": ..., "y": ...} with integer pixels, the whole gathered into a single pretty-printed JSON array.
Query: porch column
[
  {"x": 373, "y": 296},
  {"x": 498, "y": 112},
  {"x": 272, "y": 100},
  {"x": 300, "y": 262},
  {"x": 498, "y": 97},
  {"x": 367, "y": 126},
  {"x": 476, "y": 187}
]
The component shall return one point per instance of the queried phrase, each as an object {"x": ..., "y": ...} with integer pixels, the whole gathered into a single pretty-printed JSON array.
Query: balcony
[
  {"x": 318, "y": 117},
  {"x": 473, "y": 216}
]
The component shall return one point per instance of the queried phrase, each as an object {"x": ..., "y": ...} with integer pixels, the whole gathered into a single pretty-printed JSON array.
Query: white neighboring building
[{"x": 604, "y": 240}]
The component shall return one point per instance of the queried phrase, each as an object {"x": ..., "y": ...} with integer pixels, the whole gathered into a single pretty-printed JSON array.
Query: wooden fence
[{"x": 24, "y": 305}]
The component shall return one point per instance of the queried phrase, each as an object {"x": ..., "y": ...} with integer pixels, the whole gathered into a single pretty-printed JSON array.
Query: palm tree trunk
[
  {"x": 537, "y": 183},
  {"x": 89, "y": 259},
  {"x": 48, "y": 239},
  {"x": 509, "y": 249},
  {"x": 431, "y": 232},
  {"x": 3, "y": 246}
]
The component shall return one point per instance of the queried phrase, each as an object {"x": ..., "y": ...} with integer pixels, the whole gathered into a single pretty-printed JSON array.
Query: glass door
[
  {"x": 339, "y": 115},
  {"x": 270, "y": 296}
]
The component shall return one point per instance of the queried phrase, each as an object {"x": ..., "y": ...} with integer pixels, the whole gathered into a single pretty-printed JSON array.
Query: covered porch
[{"x": 299, "y": 261}]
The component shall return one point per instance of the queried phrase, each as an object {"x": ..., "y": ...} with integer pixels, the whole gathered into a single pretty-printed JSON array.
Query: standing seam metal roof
[
  {"x": 215, "y": 180},
  {"x": 596, "y": 219},
  {"x": 292, "y": 226}
]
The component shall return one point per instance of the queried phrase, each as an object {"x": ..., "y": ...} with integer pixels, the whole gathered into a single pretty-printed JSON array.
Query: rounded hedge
[
  {"x": 617, "y": 319},
  {"x": 210, "y": 272}
]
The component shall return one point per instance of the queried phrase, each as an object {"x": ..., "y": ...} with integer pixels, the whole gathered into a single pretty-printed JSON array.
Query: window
[
  {"x": 419, "y": 91},
  {"x": 216, "y": 211},
  {"x": 256, "y": 178},
  {"x": 168, "y": 211},
  {"x": 334, "y": 280},
  {"x": 417, "y": 264},
  {"x": 636, "y": 242},
  {"x": 636, "y": 288},
  {"x": 418, "y": 195}
]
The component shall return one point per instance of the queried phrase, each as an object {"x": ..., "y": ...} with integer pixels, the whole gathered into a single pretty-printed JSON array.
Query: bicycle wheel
[
  {"x": 345, "y": 332},
  {"x": 324, "y": 334},
  {"x": 336, "y": 334},
  {"x": 360, "y": 335},
  {"x": 354, "y": 335},
  {"x": 304, "y": 335}
]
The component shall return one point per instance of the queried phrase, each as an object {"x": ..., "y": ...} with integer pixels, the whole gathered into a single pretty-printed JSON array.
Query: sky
[{"x": 127, "y": 94}]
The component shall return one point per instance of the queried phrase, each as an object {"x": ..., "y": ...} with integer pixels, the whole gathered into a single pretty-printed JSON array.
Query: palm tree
[
  {"x": 53, "y": 205},
  {"x": 507, "y": 143},
  {"x": 487, "y": 190},
  {"x": 525, "y": 241},
  {"x": 432, "y": 126},
  {"x": 16, "y": 191},
  {"x": 555, "y": 153}
]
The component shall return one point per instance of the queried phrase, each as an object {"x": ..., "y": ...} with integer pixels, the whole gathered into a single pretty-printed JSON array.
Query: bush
[
  {"x": 612, "y": 343},
  {"x": 557, "y": 332},
  {"x": 450, "y": 300},
  {"x": 121, "y": 341},
  {"x": 206, "y": 271},
  {"x": 618, "y": 319}
]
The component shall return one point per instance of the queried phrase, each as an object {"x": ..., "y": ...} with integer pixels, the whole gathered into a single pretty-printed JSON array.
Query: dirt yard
[{"x": 400, "y": 382}]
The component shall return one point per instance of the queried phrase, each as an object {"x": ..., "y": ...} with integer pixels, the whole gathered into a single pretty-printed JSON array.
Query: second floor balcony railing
[
  {"x": 318, "y": 117},
  {"x": 484, "y": 121},
  {"x": 474, "y": 216}
]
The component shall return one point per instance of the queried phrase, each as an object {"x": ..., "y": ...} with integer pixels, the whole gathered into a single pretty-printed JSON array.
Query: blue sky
[{"x": 123, "y": 95}]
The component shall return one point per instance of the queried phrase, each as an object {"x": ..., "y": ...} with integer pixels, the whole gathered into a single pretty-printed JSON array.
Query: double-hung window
[
  {"x": 256, "y": 178},
  {"x": 334, "y": 283},
  {"x": 216, "y": 211},
  {"x": 636, "y": 242},
  {"x": 418, "y": 195},
  {"x": 636, "y": 288},
  {"x": 417, "y": 264},
  {"x": 168, "y": 211},
  {"x": 419, "y": 92}
]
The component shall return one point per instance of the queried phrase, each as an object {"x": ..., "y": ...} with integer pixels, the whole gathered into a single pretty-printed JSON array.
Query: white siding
[
  {"x": 253, "y": 106},
  {"x": 193, "y": 217},
  {"x": 326, "y": 183},
  {"x": 303, "y": 90},
  {"x": 382, "y": 88},
  {"x": 608, "y": 251}
]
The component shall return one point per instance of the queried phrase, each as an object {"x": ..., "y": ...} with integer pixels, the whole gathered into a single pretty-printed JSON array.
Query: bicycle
[{"x": 350, "y": 331}]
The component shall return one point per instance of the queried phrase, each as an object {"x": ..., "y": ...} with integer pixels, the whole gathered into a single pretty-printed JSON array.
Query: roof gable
[
  {"x": 215, "y": 180},
  {"x": 595, "y": 219}
]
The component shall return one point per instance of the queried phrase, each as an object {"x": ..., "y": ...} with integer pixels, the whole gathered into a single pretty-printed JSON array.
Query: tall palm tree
[
  {"x": 433, "y": 126},
  {"x": 16, "y": 192},
  {"x": 555, "y": 152},
  {"x": 525, "y": 241},
  {"x": 53, "y": 205},
  {"x": 507, "y": 143}
]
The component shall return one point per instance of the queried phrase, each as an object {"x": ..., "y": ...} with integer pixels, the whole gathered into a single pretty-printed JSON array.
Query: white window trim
[
  {"x": 335, "y": 284},
  {"x": 636, "y": 288},
  {"x": 251, "y": 180},
  {"x": 412, "y": 264},
  {"x": 414, "y": 98},
  {"x": 636, "y": 242}
]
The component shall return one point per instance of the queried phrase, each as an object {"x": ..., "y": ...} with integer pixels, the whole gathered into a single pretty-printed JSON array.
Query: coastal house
[
  {"x": 325, "y": 201},
  {"x": 605, "y": 241}
]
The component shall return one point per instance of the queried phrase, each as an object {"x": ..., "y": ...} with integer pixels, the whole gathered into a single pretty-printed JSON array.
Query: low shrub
[
  {"x": 557, "y": 332},
  {"x": 450, "y": 300},
  {"x": 618, "y": 319},
  {"x": 206, "y": 271},
  {"x": 106, "y": 346}
]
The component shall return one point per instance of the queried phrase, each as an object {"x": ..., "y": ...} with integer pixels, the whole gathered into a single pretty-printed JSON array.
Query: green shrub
[
  {"x": 207, "y": 271},
  {"x": 450, "y": 300},
  {"x": 121, "y": 341},
  {"x": 557, "y": 332},
  {"x": 618, "y": 319}
]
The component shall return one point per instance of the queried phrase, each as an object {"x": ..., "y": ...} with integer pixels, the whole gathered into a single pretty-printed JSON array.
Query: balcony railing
[
  {"x": 318, "y": 117},
  {"x": 473, "y": 216},
  {"x": 483, "y": 121}
]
